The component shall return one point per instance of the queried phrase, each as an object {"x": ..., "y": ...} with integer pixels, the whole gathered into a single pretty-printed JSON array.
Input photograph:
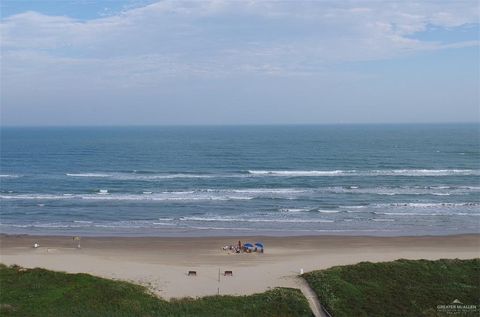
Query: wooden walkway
[{"x": 312, "y": 298}]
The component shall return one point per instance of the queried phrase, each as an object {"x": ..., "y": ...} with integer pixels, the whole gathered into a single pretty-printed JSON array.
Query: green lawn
[
  {"x": 400, "y": 288},
  {"x": 39, "y": 292}
]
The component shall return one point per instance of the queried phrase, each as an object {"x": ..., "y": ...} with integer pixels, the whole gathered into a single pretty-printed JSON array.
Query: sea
[{"x": 377, "y": 180}]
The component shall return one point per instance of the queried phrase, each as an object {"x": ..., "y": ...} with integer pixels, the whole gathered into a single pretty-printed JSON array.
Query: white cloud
[{"x": 218, "y": 38}]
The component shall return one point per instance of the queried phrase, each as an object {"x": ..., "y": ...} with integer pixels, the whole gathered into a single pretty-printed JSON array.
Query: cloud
[{"x": 212, "y": 39}]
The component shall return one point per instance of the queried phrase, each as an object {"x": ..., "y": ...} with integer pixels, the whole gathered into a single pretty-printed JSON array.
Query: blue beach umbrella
[
  {"x": 259, "y": 245},
  {"x": 248, "y": 245}
]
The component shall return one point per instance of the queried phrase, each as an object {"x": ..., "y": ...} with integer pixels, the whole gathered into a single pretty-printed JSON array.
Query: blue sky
[
  {"x": 78, "y": 9},
  {"x": 135, "y": 62}
]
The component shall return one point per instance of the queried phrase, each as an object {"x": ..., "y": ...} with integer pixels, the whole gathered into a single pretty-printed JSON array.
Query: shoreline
[
  {"x": 224, "y": 233},
  {"x": 232, "y": 236},
  {"x": 161, "y": 263}
]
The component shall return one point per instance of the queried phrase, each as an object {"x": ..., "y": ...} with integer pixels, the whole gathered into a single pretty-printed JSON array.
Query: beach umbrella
[
  {"x": 259, "y": 245},
  {"x": 248, "y": 245}
]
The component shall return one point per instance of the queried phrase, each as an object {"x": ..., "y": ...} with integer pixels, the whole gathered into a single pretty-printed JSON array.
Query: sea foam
[{"x": 391, "y": 172}]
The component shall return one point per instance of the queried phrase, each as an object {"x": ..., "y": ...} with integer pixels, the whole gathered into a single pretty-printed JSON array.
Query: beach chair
[
  {"x": 192, "y": 273},
  {"x": 228, "y": 273}
]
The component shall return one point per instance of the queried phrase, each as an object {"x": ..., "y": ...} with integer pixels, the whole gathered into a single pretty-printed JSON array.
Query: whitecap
[
  {"x": 428, "y": 205},
  {"x": 328, "y": 211},
  {"x": 392, "y": 172},
  {"x": 298, "y": 173},
  {"x": 294, "y": 209},
  {"x": 238, "y": 219},
  {"x": 87, "y": 175}
]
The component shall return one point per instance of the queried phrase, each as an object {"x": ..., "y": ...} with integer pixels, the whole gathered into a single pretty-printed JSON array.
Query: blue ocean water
[{"x": 272, "y": 180}]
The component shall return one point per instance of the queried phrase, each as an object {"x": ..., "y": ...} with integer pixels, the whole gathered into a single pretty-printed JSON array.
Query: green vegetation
[
  {"x": 39, "y": 292},
  {"x": 399, "y": 288}
]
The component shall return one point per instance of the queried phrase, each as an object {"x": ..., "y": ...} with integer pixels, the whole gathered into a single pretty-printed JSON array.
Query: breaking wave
[
  {"x": 87, "y": 175},
  {"x": 392, "y": 172}
]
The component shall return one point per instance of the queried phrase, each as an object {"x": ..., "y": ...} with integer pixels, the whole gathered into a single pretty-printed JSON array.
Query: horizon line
[{"x": 237, "y": 124}]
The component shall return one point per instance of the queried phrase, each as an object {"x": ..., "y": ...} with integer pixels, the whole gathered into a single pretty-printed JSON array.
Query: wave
[
  {"x": 427, "y": 214},
  {"x": 194, "y": 221},
  {"x": 248, "y": 219},
  {"x": 141, "y": 175},
  {"x": 161, "y": 176},
  {"x": 267, "y": 190},
  {"x": 182, "y": 222},
  {"x": 292, "y": 210},
  {"x": 152, "y": 176},
  {"x": 36, "y": 197},
  {"x": 374, "y": 207},
  {"x": 125, "y": 197},
  {"x": 142, "y": 226},
  {"x": 404, "y": 190},
  {"x": 440, "y": 190},
  {"x": 392, "y": 172},
  {"x": 200, "y": 194},
  {"x": 328, "y": 211},
  {"x": 429, "y": 205},
  {"x": 43, "y": 225},
  {"x": 309, "y": 210},
  {"x": 298, "y": 173},
  {"x": 87, "y": 175}
]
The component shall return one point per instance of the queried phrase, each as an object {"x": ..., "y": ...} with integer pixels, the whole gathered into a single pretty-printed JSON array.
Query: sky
[{"x": 146, "y": 62}]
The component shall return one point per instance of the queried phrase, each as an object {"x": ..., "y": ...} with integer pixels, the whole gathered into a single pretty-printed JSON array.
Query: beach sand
[{"x": 162, "y": 264}]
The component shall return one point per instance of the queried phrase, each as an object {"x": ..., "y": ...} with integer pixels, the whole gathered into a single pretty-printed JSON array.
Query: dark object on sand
[
  {"x": 259, "y": 247},
  {"x": 248, "y": 247},
  {"x": 192, "y": 273},
  {"x": 228, "y": 273}
]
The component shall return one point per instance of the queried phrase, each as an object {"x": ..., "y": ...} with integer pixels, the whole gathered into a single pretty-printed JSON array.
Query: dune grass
[
  {"x": 400, "y": 288},
  {"x": 39, "y": 292}
]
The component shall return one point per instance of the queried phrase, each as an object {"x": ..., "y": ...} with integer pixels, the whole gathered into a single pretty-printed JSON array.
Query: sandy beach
[{"x": 162, "y": 264}]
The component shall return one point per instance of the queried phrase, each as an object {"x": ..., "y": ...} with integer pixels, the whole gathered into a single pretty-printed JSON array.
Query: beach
[{"x": 162, "y": 263}]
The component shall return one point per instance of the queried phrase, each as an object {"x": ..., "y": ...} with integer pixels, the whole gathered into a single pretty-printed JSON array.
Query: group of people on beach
[{"x": 239, "y": 247}]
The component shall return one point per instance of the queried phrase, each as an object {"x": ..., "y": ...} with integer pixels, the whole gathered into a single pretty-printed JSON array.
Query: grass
[
  {"x": 39, "y": 292},
  {"x": 399, "y": 288}
]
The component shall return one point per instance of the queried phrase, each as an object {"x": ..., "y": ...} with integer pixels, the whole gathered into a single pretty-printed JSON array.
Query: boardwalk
[{"x": 312, "y": 298}]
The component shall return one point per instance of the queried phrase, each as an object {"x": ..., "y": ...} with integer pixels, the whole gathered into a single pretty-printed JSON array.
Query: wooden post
[{"x": 218, "y": 288}]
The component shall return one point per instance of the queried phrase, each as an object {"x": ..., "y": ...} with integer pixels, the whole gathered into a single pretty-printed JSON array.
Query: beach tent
[
  {"x": 248, "y": 247},
  {"x": 259, "y": 247}
]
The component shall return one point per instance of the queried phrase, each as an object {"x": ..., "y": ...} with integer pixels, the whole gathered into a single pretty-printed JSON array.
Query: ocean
[{"x": 382, "y": 180}]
